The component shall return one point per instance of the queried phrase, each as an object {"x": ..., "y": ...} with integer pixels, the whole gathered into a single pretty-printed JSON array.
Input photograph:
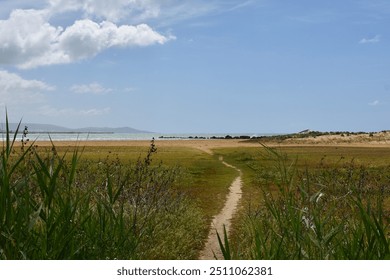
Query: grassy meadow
[
  {"x": 311, "y": 202},
  {"x": 201, "y": 176},
  {"x": 111, "y": 202},
  {"x": 63, "y": 202}
]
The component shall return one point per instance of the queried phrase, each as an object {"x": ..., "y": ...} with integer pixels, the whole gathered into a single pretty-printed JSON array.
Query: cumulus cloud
[
  {"x": 16, "y": 90},
  {"x": 372, "y": 40},
  {"x": 25, "y": 36},
  {"x": 94, "y": 88},
  {"x": 13, "y": 82},
  {"x": 86, "y": 38},
  {"x": 28, "y": 40}
]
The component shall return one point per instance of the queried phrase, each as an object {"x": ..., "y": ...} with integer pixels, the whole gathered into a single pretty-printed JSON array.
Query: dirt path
[{"x": 212, "y": 249}]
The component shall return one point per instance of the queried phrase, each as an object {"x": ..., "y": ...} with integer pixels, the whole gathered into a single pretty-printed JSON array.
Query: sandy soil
[
  {"x": 212, "y": 249},
  {"x": 379, "y": 139}
]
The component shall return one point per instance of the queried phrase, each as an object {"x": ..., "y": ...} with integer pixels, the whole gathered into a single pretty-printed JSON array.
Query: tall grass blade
[{"x": 224, "y": 245}]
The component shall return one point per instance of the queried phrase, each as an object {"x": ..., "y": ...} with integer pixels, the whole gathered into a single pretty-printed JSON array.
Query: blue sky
[{"x": 197, "y": 66}]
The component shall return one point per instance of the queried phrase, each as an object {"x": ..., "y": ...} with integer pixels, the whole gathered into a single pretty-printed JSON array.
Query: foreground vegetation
[
  {"x": 132, "y": 203},
  {"x": 336, "y": 208},
  {"x": 56, "y": 206}
]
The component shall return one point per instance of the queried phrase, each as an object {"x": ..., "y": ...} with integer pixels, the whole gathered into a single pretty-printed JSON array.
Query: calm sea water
[{"x": 129, "y": 136}]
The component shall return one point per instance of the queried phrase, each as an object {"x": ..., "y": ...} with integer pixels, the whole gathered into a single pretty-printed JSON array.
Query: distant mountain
[{"x": 49, "y": 128}]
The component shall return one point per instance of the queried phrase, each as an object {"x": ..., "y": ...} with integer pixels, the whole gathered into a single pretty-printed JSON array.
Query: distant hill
[{"x": 49, "y": 128}]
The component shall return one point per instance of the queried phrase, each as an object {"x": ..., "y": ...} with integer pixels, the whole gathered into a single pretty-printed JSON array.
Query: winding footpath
[{"x": 212, "y": 249}]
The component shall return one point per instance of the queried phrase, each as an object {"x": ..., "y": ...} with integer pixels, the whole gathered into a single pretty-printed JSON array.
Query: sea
[{"x": 44, "y": 136}]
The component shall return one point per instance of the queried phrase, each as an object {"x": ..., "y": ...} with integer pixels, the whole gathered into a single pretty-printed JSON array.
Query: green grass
[
  {"x": 107, "y": 202},
  {"x": 56, "y": 205},
  {"x": 312, "y": 203},
  {"x": 202, "y": 176},
  {"x": 255, "y": 162}
]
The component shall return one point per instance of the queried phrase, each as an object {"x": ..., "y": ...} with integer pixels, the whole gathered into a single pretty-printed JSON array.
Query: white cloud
[
  {"x": 25, "y": 36},
  {"x": 373, "y": 40},
  {"x": 28, "y": 40},
  {"x": 11, "y": 82},
  {"x": 27, "y": 97},
  {"x": 86, "y": 38},
  {"x": 16, "y": 90},
  {"x": 94, "y": 88},
  {"x": 374, "y": 103}
]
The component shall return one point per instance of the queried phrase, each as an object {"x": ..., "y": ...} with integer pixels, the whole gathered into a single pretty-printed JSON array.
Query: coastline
[
  {"x": 208, "y": 145},
  {"x": 366, "y": 140}
]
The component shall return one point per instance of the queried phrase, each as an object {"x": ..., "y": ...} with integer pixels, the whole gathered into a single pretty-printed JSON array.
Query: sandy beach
[{"x": 379, "y": 140}]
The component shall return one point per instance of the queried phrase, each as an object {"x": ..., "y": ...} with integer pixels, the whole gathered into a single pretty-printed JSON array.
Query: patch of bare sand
[
  {"x": 361, "y": 140},
  {"x": 212, "y": 249}
]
